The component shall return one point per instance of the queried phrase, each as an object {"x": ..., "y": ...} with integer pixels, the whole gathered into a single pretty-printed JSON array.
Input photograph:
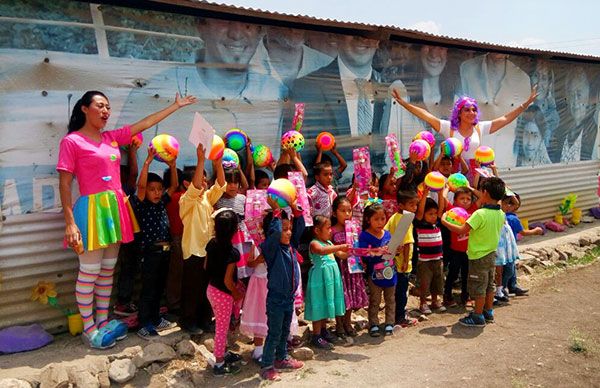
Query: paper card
[
  {"x": 352, "y": 229},
  {"x": 362, "y": 169},
  {"x": 393, "y": 150},
  {"x": 399, "y": 233},
  {"x": 296, "y": 178},
  {"x": 202, "y": 133},
  {"x": 256, "y": 204}
]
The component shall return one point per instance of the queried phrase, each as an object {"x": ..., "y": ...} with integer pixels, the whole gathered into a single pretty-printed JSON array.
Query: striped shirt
[{"x": 429, "y": 241}]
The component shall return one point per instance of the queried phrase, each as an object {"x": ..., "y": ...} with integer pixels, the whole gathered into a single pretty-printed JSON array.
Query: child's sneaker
[
  {"x": 408, "y": 322},
  {"x": 328, "y": 336},
  {"x": 374, "y": 331},
  {"x": 389, "y": 329},
  {"x": 270, "y": 374},
  {"x": 165, "y": 325},
  {"x": 233, "y": 358},
  {"x": 148, "y": 332},
  {"x": 450, "y": 302},
  {"x": 99, "y": 340},
  {"x": 473, "y": 320},
  {"x": 225, "y": 369},
  {"x": 488, "y": 315},
  {"x": 288, "y": 364},
  {"x": 118, "y": 329},
  {"x": 424, "y": 309},
  {"x": 438, "y": 308},
  {"x": 125, "y": 310},
  {"x": 322, "y": 343}
]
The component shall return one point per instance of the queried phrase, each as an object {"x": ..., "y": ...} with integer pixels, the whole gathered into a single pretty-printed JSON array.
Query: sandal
[{"x": 374, "y": 331}]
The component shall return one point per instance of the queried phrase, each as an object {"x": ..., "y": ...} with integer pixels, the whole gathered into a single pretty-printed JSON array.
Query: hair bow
[{"x": 373, "y": 201}]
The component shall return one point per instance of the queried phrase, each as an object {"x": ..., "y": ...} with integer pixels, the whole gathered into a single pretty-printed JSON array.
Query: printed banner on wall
[{"x": 250, "y": 76}]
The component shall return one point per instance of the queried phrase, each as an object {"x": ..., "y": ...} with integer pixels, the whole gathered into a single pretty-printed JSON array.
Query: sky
[{"x": 571, "y": 26}]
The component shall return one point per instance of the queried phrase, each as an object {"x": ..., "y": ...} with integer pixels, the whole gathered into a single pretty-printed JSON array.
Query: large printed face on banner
[{"x": 249, "y": 76}]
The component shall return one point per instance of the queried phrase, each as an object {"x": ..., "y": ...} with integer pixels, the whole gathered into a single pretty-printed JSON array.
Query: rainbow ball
[
  {"x": 427, "y": 136},
  {"x": 292, "y": 140},
  {"x": 452, "y": 147},
  {"x": 484, "y": 155},
  {"x": 217, "y": 149},
  {"x": 165, "y": 146},
  {"x": 457, "y": 180},
  {"x": 230, "y": 158},
  {"x": 325, "y": 141},
  {"x": 421, "y": 148},
  {"x": 457, "y": 216},
  {"x": 282, "y": 191},
  {"x": 434, "y": 181},
  {"x": 236, "y": 139},
  {"x": 136, "y": 139},
  {"x": 262, "y": 156}
]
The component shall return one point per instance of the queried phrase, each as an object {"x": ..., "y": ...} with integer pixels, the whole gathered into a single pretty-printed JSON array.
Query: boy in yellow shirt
[
  {"x": 407, "y": 200},
  {"x": 195, "y": 210}
]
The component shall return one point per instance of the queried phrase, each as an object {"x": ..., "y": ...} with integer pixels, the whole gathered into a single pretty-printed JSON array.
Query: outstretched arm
[
  {"x": 417, "y": 111},
  {"x": 143, "y": 179},
  {"x": 503, "y": 121},
  {"x": 340, "y": 159},
  {"x": 174, "y": 177},
  {"x": 159, "y": 116}
]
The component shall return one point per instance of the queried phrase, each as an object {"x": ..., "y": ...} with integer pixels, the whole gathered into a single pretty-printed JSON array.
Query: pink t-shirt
[{"x": 96, "y": 166}]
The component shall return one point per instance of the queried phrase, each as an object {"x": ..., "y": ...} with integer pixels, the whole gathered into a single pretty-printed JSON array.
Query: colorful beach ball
[
  {"x": 427, "y": 136},
  {"x": 435, "y": 181},
  {"x": 236, "y": 139},
  {"x": 421, "y": 148},
  {"x": 262, "y": 156},
  {"x": 452, "y": 147},
  {"x": 230, "y": 159},
  {"x": 457, "y": 216},
  {"x": 292, "y": 140},
  {"x": 325, "y": 141},
  {"x": 217, "y": 149},
  {"x": 165, "y": 146},
  {"x": 136, "y": 139},
  {"x": 457, "y": 180},
  {"x": 282, "y": 191},
  {"x": 484, "y": 155}
]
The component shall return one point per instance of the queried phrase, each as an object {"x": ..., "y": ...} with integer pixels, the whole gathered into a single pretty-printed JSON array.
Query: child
[
  {"x": 507, "y": 254},
  {"x": 407, "y": 200},
  {"x": 484, "y": 227},
  {"x": 381, "y": 273},
  {"x": 510, "y": 204},
  {"x": 357, "y": 200},
  {"x": 321, "y": 194},
  {"x": 355, "y": 295},
  {"x": 262, "y": 180},
  {"x": 338, "y": 172},
  {"x": 222, "y": 292},
  {"x": 458, "y": 260},
  {"x": 231, "y": 198},
  {"x": 149, "y": 206},
  {"x": 324, "y": 293},
  {"x": 279, "y": 251},
  {"x": 430, "y": 268},
  {"x": 195, "y": 209}
]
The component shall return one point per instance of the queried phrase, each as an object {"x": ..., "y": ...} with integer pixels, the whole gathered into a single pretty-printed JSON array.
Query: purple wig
[{"x": 458, "y": 105}]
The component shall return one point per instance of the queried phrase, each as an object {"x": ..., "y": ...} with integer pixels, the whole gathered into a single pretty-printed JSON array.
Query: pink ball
[
  {"x": 457, "y": 216},
  {"x": 484, "y": 155},
  {"x": 326, "y": 141},
  {"x": 427, "y": 136},
  {"x": 421, "y": 148}
]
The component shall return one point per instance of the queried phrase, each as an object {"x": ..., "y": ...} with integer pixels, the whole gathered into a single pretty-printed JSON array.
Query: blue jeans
[
  {"x": 279, "y": 319},
  {"x": 401, "y": 296},
  {"x": 509, "y": 275}
]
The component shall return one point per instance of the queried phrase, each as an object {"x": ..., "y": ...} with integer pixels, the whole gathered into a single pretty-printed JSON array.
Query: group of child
[{"x": 192, "y": 244}]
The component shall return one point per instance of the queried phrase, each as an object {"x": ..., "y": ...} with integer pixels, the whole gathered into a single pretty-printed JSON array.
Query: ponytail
[{"x": 77, "y": 120}]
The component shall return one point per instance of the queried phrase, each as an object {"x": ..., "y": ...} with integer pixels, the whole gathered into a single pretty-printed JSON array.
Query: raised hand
[{"x": 184, "y": 101}]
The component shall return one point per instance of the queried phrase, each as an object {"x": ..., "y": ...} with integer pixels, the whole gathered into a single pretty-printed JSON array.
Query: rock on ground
[
  {"x": 303, "y": 353},
  {"x": 185, "y": 348},
  {"x": 121, "y": 371},
  {"x": 54, "y": 376},
  {"x": 85, "y": 378},
  {"x": 154, "y": 352},
  {"x": 14, "y": 383}
]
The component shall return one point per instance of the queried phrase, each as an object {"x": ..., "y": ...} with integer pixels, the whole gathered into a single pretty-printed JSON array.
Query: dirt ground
[{"x": 529, "y": 345}]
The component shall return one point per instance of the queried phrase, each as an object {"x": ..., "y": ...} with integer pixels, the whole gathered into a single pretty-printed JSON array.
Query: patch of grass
[
  {"x": 518, "y": 383},
  {"x": 305, "y": 372},
  {"x": 589, "y": 257},
  {"x": 578, "y": 343}
]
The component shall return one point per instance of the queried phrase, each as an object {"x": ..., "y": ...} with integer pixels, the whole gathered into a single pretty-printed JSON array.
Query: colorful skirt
[{"x": 103, "y": 219}]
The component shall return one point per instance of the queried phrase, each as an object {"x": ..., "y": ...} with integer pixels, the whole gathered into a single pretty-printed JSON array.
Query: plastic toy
[
  {"x": 484, "y": 155},
  {"x": 457, "y": 180},
  {"x": 236, "y": 139},
  {"x": 457, "y": 216},
  {"x": 427, "y": 136},
  {"x": 421, "y": 148},
  {"x": 282, "y": 191},
  {"x": 217, "y": 149},
  {"x": 230, "y": 159},
  {"x": 452, "y": 147},
  {"x": 165, "y": 146},
  {"x": 325, "y": 141},
  {"x": 434, "y": 181},
  {"x": 292, "y": 140},
  {"x": 262, "y": 156}
]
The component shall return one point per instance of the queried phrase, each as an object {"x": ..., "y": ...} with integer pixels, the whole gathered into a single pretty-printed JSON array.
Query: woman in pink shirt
[{"x": 100, "y": 219}]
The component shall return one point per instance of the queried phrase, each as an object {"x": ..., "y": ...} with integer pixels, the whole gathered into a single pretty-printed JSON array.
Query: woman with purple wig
[{"x": 464, "y": 123}]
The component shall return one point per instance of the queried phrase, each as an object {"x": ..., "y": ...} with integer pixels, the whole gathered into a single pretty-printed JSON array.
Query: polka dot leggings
[{"x": 222, "y": 305}]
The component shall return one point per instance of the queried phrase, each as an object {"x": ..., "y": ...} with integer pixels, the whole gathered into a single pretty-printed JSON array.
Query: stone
[
  {"x": 129, "y": 352},
  {"x": 14, "y": 383},
  {"x": 553, "y": 255},
  {"x": 546, "y": 263},
  {"x": 185, "y": 348},
  {"x": 121, "y": 371},
  {"x": 54, "y": 376},
  {"x": 103, "y": 380},
  {"x": 83, "y": 378},
  {"x": 210, "y": 344},
  {"x": 182, "y": 378},
  {"x": 154, "y": 368},
  {"x": 526, "y": 257},
  {"x": 155, "y": 352},
  {"x": 585, "y": 240},
  {"x": 208, "y": 356},
  {"x": 527, "y": 269},
  {"x": 562, "y": 256},
  {"x": 94, "y": 364},
  {"x": 423, "y": 318},
  {"x": 541, "y": 253},
  {"x": 304, "y": 353},
  {"x": 198, "y": 379}
]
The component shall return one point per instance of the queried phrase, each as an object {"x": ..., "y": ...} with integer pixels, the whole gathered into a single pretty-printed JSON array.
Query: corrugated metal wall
[
  {"x": 542, "y": 188},
  {"x": 31, "y": 250}
]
